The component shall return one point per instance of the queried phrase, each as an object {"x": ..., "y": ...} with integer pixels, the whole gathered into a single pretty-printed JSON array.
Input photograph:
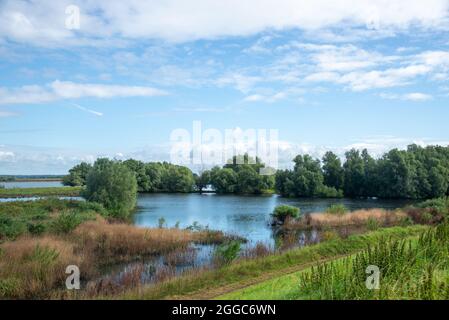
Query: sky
[{"x": 117, "y": 82}]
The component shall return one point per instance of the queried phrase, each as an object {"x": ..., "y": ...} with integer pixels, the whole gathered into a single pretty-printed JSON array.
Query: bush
[
  {"x": 227, "y": 252},
  {"x": 113, "y": 185},
  {"x": 283, "y": 211},
  {"x": 37, "y": 228},
  {"x": 10, "y": 227},
  {"x": 66, "y": 222},
  {"x": 338, "y": 209}
]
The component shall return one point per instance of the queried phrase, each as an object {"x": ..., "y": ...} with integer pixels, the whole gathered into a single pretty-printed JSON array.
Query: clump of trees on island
[{"x": 414, "y": 173}]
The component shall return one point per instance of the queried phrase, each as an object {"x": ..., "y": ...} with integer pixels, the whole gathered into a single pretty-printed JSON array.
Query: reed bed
[{"x": 355, "y": 218}]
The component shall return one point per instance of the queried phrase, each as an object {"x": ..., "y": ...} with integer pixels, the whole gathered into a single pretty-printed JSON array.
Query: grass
[
  {"x": 39, "y": 239},
  {"x": 40, "y": 192},
  {"x": 412, "y": 268},
  {"x": 45, "y": 216},
  {"x": 199, "y": 283}
]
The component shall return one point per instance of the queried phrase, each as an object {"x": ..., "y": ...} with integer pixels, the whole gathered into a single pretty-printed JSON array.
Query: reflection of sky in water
[
  {"x": 31, "y": 184},
  {"x": 247, "y": 216}
]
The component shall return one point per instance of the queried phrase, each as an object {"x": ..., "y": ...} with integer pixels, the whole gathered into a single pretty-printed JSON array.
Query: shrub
[
  {"x": 37, "y": 228},
  {"x": 283, "y": 211},
  {"x": 227, "y": 252},
  {"x": 338, "y": 209},
  {"x": 11, "y": 227},
  {"x": 161, "y": 222},
  {"x": 66, "y": 222},
  {"x": 113, "y": 185}
]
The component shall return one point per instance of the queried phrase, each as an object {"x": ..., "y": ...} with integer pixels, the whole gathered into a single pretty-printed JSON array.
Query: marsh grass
[
  {"x": 355, "y": 218},
  {"x": 33, "y": 260}
]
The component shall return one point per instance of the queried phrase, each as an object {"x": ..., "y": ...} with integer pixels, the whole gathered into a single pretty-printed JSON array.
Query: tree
[
  {"x": 354, "y": 174},
  {"x": 202, "y": 180},
  {"x": 112, "y": 184},
  {"x": 224, "y": 180},
  {"x": 77, "y": 175},
  {"x": 139, "y": 169},
  {"x": 333, "y": 172}
]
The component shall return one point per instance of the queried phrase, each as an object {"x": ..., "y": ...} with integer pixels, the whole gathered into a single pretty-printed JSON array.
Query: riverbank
[
  {"x": 212, "y": 283},
  {"x": 40, "y": 192},
  {"x": 412, "y": 268}
]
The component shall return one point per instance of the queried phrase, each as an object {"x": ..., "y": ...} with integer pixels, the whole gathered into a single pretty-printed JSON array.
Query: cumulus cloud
[
  {"x": 60, "y": 90},
  {"x": 42, "y": 22}
]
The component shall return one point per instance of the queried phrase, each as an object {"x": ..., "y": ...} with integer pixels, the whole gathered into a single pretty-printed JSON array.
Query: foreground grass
[
  {"x": 413, "y": 268},
  {"x": 193, "y": 285},
  {"x": 40, "y": 192}
]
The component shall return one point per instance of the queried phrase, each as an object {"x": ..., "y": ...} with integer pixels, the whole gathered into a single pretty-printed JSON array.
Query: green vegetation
[
  {"x": 413, "y": 268},
  {"x": 77, "y": 175},
  {"x": 244, "y": 270},
  {"x": 227, "y": 252},
  {"x": 113, "y": 185},
  {"x": 305, "y": 180},
  {"x": 282, "y": 212},
  {"x": 415, "y": 173},
  {"x": 338, "y": 209},
  {"x": 45, "y": 216},
  {"x": 39, "y": 239},
  {"x": 40, "y": 192}
]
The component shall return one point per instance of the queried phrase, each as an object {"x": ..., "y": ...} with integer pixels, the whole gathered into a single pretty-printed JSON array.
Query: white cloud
[
  {"x": 413, "y": 96},
  {"x": 60, "y": 90},
  {"x": 42, "y": 22},
  {"x": 6, "y": 155}
]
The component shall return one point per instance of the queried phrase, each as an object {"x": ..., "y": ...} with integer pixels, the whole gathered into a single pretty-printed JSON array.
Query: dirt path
[{"x": 211, "y": 293}]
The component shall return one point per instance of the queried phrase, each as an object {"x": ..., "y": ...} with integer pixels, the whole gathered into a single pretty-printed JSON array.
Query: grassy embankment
[
  {"x": 210, "y": 283},
  {"x": 413, "y": 268},
  {"x": 39, "y": 239},
  {"x": 416, "y": 268},
  {"x": 40, "y": 192}
]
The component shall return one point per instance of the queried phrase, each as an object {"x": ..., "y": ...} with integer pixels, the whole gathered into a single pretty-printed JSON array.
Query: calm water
[
  {"x": 247, "y": 216},
  {"x": 31, "y": 184}
]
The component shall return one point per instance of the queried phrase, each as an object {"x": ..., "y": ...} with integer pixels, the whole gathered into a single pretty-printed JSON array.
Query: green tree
[
  {"x": 202, "y": 180},
  {"x": 223, "y": 180},
  {"x": 112, "y": 184},
  {"x": 77, "y": 175},
  {"x": 354, "y": 174},
  {"x": 333, "y": 172}
]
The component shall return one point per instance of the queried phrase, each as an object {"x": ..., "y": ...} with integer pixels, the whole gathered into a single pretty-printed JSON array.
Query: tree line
[{"x": 414, "y": 173}]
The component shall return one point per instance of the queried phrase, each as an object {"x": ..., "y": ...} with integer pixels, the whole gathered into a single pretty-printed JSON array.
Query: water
[
  {"x": 246, "y": 216},
  {"x": 31, "y": 184}
]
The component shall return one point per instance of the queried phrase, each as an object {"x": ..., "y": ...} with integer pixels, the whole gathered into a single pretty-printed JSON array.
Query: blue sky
[{"x": 357, "y": 74}]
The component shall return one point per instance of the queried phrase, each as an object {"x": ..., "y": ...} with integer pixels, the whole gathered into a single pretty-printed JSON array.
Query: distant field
[{"x": 40, "y": 192}]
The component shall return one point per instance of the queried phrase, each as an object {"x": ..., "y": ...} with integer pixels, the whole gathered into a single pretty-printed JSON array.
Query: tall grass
[{"x": 409, "y": 269}]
